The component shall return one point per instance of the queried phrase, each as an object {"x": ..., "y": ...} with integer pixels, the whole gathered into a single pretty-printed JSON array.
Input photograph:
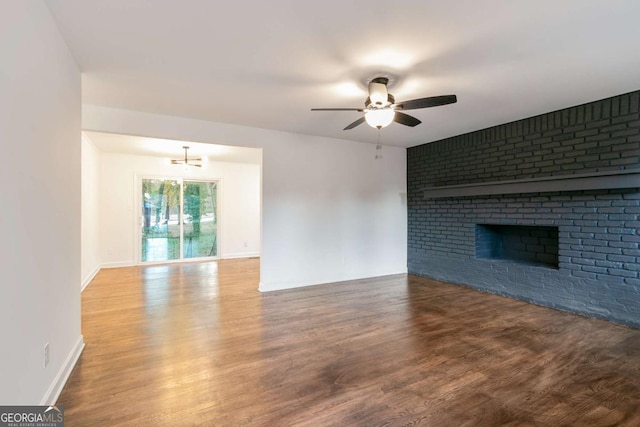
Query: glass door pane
[
  {"x": 200, "y": 237},
  {"x": 160, "y": 220}
]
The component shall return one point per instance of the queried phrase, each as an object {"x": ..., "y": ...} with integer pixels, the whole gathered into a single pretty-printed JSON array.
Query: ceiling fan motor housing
[{"x": 390, "y": 101}]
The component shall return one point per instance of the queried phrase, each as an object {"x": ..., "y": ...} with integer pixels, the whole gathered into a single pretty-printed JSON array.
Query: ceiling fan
[{"x": 380, "y": 108}]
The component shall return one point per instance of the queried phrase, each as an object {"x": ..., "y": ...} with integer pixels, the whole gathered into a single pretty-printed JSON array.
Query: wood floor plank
[{"x": 196, "y": 344}]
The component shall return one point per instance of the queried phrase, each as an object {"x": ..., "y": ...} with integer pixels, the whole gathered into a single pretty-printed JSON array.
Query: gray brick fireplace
[{"x": 545, "y": 209}]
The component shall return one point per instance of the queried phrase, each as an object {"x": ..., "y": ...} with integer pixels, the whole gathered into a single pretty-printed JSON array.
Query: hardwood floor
[{"x": 196, "y": 344}]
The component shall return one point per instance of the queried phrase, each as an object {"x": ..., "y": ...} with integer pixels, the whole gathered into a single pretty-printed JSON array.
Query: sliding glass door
[
  {"x": 179, "y": 219},
  {"x": 160, "y": 220},
  {"x": 200, "y": 219}
]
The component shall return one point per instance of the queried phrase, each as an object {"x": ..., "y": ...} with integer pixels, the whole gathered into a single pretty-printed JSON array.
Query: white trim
[
  {"x": 89, "y": 278},
  {"x": 262, "y": 287},
  {"x": 118, "y": 264},
  {"x": 137, "y": 217},
  {"x": 219, "y": 219},
  {"x": 181, "y": 220},
  {"x": 240, "y": 255},
  {"x": 51, "y": 396},
  {"x": 176, "y": 261}
]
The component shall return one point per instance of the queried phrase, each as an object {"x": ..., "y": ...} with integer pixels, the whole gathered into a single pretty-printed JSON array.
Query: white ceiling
[
  {"x": 265, "y": 64},
  {"x": 171, "y": 149}
]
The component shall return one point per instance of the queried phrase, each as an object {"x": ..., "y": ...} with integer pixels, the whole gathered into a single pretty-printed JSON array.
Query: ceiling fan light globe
[
  {"x": 378, "y": 94},
  {"x": 379, "y": 118}
]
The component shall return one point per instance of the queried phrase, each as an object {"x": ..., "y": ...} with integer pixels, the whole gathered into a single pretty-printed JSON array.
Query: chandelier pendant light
[{"x": 187, "y": 162}]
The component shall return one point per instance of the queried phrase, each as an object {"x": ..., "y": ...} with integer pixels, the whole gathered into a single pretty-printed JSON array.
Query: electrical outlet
[
  {"x": 46, "y": 354},
  {"x": 246, "y": 244}
]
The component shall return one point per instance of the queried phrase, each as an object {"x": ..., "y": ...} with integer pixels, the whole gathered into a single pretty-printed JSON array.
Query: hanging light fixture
[
  {"x": 379, "y": 118},
  {"x": 379, "y": 112},
  {"x": 186, "y": 162}
]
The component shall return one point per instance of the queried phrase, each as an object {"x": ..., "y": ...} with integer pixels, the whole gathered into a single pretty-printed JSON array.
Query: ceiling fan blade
[
  {"x": 337, "y": 109},
  {"x": 432, "y": 101},
  {"x": 405, "y": 119},
  {"x": 354, "y": 124}
]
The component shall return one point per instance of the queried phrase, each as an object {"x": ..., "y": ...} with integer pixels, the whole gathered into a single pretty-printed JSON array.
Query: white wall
[
  {"x": 90, "y": 217},
  {"x": 330, "y": 211},
  {"x": 239, "y": 206},
  {"x": 40, "y": 226}
]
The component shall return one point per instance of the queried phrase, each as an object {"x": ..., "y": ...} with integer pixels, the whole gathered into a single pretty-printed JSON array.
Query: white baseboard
[
  {"x": 118, "y": 264},
  {"x": 241, "y": 255},
  {"x": 51, "y": 396},
  {"x": 262, "y": 287},
  {"x": 89, "y": 278}
]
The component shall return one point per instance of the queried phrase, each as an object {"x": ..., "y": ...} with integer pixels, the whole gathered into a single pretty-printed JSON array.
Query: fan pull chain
[{"x": 378, "y": 148}]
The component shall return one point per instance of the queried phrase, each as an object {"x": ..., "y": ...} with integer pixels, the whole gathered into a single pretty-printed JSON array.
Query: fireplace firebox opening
[{"x": 523, "y": 244}]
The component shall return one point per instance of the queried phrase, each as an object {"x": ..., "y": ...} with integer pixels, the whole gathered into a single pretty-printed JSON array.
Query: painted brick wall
[{"x": 599, "y": 237}]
